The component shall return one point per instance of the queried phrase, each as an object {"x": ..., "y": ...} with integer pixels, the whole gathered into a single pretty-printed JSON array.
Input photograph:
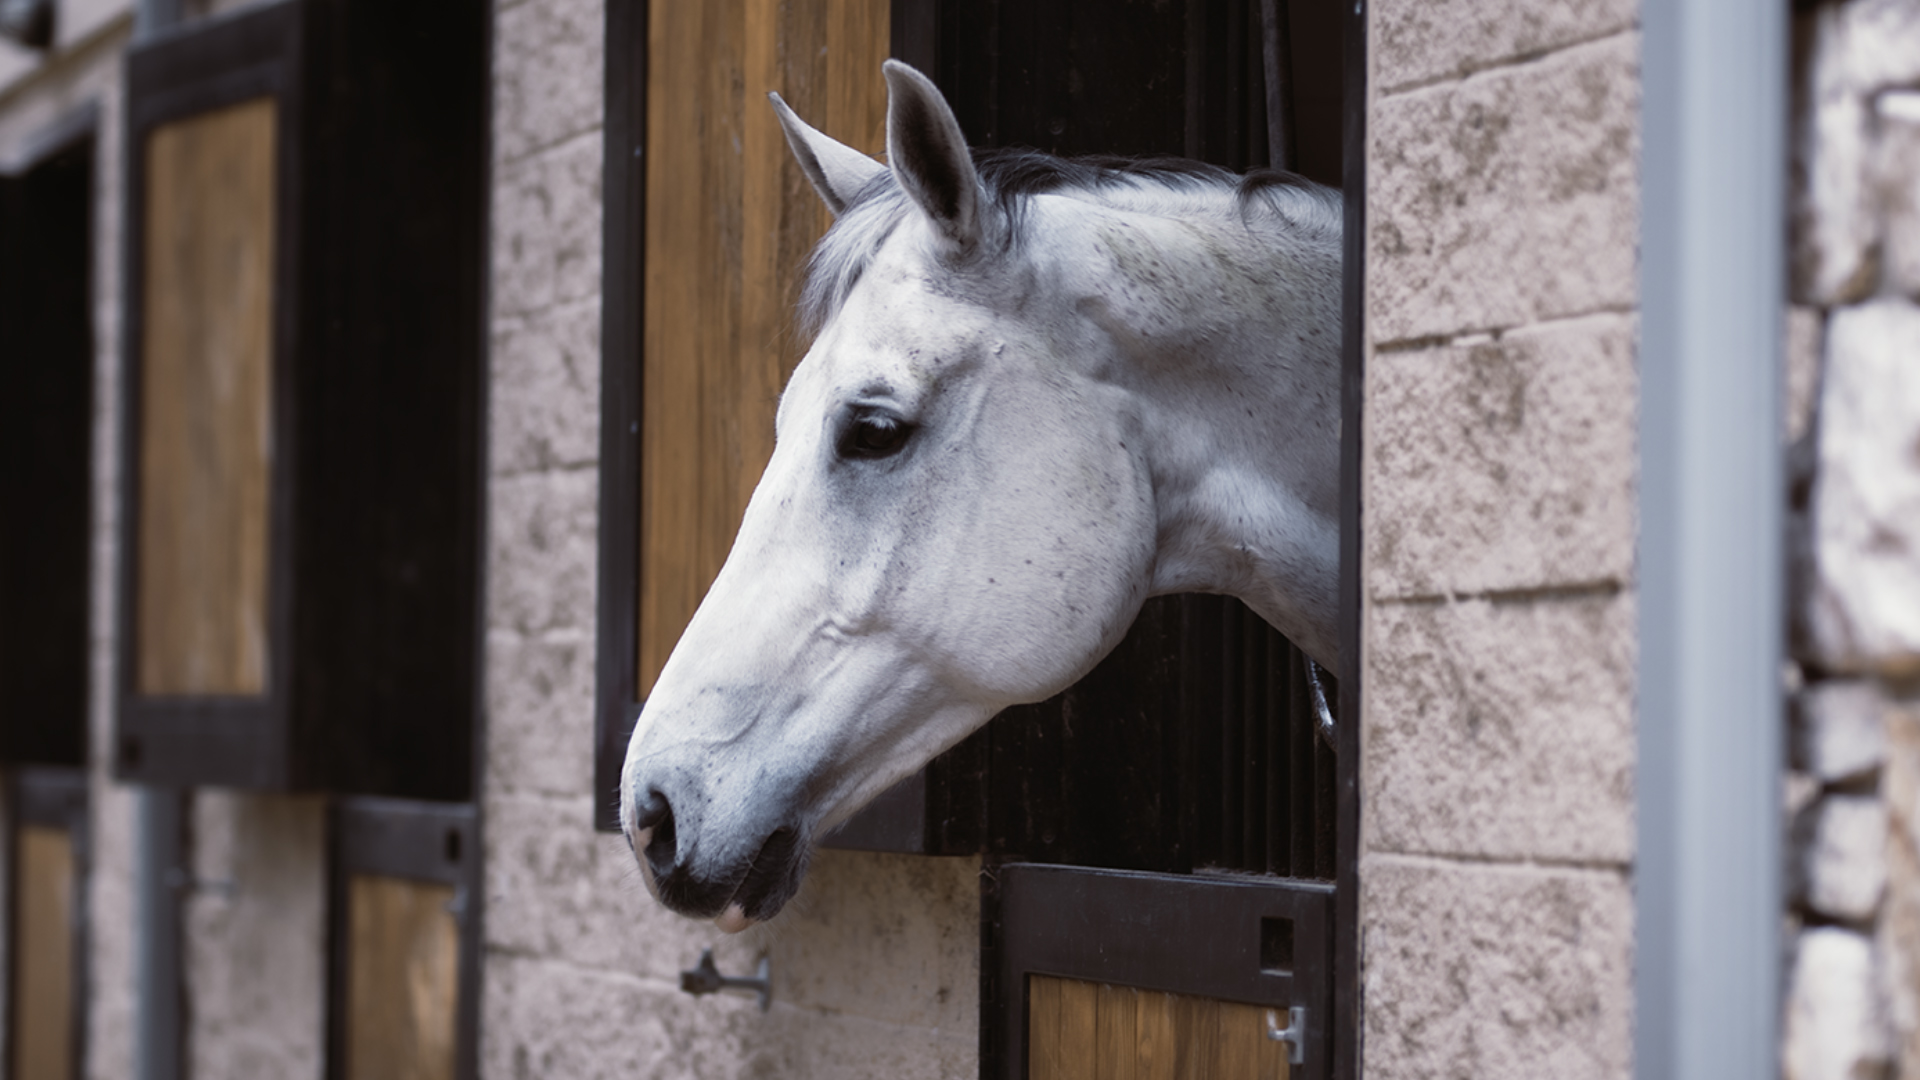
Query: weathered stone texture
[
  {"x": 1839, "y": 730},
  {"x": 546, "y": 390},
  {"x": 1505, "y": 199},
  {"x": 1898, "y": 182},
  {"x": 1502, "y": 464},
  {"x": 1832, "y": 253},
  {"x": 1805, "y": 328},
  {"x": 1833, "y": 1027},
  {"x": 543, "y": 548},
  {"x": 549, "y": 74},
  {"x": 1839, "y": 869},
  {"x": 1898, "y": 940},
  {"x": 1495, "y": 971},
  {"x": 1863, "y": 612},
  {"x": 1416, "y": 41},
  {"x": 1501, "y": 730},
  {"x": 546, "y": 224},
  {"x": 255, "y": 932},
  {"x": 540, "y": 739},
  {"x": 545, "y": 1019}
]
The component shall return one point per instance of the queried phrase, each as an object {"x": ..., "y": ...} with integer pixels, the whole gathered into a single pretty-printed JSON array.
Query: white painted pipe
[{"x": 1711, "y": 569}]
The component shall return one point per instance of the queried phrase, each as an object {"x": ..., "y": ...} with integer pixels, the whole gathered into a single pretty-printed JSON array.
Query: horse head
[{"x": 963, "y": 510}]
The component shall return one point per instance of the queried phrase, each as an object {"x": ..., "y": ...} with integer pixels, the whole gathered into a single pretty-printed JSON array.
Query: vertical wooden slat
[
  {"x": 205, "y": 424},
  {"x": 1079, "y": 1029},
  {"x": 729, "y": 221},
  {"x": 1116, "y": 1053},
  {"x": 43, "y": 956},
  {"x": 403, "y": 980}
]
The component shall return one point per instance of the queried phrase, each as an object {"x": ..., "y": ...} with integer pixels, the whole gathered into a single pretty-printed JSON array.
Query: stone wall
[
  {"x": 1498, "y": 615},
  {"x": 1853, "y": 1006},
  {"x": 874, "y": 965}
]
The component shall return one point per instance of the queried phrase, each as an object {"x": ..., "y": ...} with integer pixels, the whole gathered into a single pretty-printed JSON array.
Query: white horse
[{"x": 1040, "y": 392}]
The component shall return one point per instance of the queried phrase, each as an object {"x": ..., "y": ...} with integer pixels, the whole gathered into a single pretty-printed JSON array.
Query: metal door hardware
[
  {"x": 1294, "y": 1034},
  {"x": 705, "y": 978}
]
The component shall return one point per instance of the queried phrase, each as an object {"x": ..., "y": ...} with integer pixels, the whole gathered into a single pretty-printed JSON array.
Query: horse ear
[
  {"x": 929, "y": 156},
  {"x": 836, "y": 170}
]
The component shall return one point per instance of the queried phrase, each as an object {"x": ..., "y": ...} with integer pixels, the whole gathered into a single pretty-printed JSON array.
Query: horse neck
[{"x": 1240, "y": 390}]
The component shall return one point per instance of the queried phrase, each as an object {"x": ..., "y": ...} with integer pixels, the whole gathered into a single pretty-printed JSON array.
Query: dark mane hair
[{"x": 1012, "y": 177}]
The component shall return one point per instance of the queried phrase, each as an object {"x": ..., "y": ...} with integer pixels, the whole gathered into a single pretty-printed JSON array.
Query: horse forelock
[{"x": 1012, "y": 177}]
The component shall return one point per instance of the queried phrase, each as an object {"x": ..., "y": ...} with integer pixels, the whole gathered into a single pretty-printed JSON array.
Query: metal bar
[
  {"x": 1710, "y": 564},
  {"x": 158, "y": 869}
]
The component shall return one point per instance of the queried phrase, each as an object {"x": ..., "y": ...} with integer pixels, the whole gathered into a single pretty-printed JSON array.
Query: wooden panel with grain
[
  {"x": 206, "y": 437},
  {"x": 42, "y": 949},
  {"x": 1079, "y": 1030},
  {"x": 729, "y": 221},
  {"x": 403, "y": 980}
]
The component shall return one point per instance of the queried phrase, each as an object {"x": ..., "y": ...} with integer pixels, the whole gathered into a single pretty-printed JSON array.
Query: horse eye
[{"x": 873, "y": 434}]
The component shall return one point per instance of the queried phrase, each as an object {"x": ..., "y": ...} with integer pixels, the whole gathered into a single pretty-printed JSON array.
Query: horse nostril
[{"x": 650, "y": 811}]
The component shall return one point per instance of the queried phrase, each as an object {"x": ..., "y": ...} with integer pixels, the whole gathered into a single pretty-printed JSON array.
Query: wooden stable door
[
  {"x": 729, "y": 222},
  {"x": 1079, "y": 1030},
  {"x": 403, "y": 984},
  {"x": 43, "y": 968}
]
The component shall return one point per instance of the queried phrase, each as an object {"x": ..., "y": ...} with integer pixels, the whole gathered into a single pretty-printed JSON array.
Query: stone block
[
  {"x": 549, "y": 74},
  {"x": 1831, "y": 248},
  {"x": 1897, "y": 949},
  {"x": 1412, "y": 42},
  {"x": 543, "y": 546},
  {"x": 254, "y": 937},
  {"x": 1502, "y": 464},
  {"x": 545, "y": 410},
  {"x": 1900, "y": 782},
  {"x": 1805, "y": 328},
  {"x": 1508, "y": 198},
  {"x": 1838, "y": 731},
  {"x": 1500, "y": 730},
  {"x": 540, "y": 713},
  {"x": 1839, "y": 865},
  {"x": 1495, "y": 971},
  {"x": 546, "y": 228},
  {"x": 1862, "y": 611},
  {"x": 1898, "y": 179},
  {"x": 1880, "y": 47},
  {"x": 1833, "y": 1026}
]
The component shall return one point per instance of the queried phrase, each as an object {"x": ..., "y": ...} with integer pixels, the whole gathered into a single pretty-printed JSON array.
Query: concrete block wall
[
  {"x": 874, "y": 965},
  {"x": 1498, "y": 612},
  {"x": 1853, "y": 795}
]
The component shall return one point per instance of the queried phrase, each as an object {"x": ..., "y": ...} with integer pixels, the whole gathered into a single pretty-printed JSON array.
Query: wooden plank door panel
[
  {"x": 1080, "y": 1030},
  {"x": 728, "y": 223},
  {"x": 43, "y": 974},
  {"x": 403, "y": 985},
  {"x": 205, "y": 421}
]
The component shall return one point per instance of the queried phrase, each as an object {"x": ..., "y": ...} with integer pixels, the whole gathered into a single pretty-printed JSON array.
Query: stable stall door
[{"x": 1080, "y": 1030}]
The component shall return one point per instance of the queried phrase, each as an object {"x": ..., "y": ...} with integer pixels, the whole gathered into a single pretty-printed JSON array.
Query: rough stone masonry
[{"x": 1853, "y": 425}]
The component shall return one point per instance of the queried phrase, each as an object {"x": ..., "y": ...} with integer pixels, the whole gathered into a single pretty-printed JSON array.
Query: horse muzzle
[{"x": 736, "y": 892}]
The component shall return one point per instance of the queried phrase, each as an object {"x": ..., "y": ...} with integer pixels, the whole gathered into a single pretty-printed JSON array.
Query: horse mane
[{"x": 1012, "y": 177}]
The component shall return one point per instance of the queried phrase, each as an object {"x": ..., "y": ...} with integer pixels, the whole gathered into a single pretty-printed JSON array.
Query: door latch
[
  {"x": 706, "y": 979},
  {"x": 1294, "y": 1034}
]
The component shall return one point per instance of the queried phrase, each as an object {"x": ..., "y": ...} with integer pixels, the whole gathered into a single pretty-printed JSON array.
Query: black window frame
[
  {"x": 374, "y": 627},
  {"x": 944, "y": 808}
]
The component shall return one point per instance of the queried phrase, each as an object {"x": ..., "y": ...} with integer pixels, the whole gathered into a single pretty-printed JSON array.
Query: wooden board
[
  {"x": 42, "y": 992},
  {"x": 1088, "y": 1031},
  {"x": 403, "y": 980},
  {"x": 729, "y": 222},
  {"x": 206, "y": 438}
]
